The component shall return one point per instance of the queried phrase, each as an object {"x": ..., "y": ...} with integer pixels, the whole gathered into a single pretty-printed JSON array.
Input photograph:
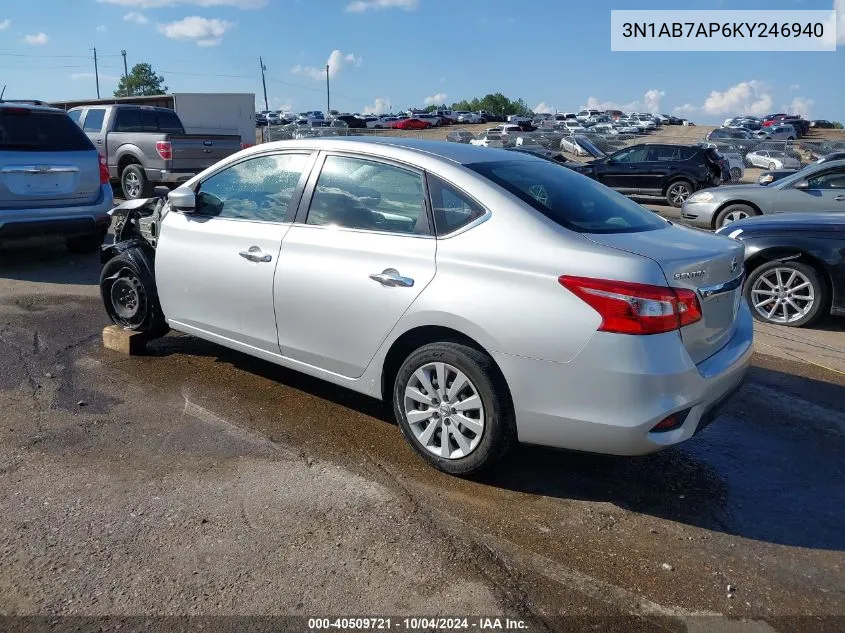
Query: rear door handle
[
  {"x": 391, "y": 277},
  {"x": 254, "y": 254},
  {"x": 99, "y": 141},
  {"x": 840, "y": 198}
]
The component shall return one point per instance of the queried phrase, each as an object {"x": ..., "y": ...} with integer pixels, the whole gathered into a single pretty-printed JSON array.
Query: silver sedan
[{"x": 489, "y": 296}]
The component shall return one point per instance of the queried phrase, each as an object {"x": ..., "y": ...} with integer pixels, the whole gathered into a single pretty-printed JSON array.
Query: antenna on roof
[{"x": 2, "y": 92}]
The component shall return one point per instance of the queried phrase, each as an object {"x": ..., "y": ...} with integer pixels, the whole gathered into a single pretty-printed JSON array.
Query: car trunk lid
[{"x": 710, "y": 265}]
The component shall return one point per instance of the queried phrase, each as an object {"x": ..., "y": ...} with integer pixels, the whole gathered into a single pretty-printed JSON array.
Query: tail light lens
[
  {"x": 630, "y": 308},
  {"x": 104, "y": 170},
  {"x": 164, "y": 149}
]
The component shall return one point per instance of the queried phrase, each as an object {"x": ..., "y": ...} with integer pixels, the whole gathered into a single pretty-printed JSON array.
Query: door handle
[
  {"x": 840, "y": 198},
  {"x": 254, "y": 254},
  {"x": 99, "y": 141},
  {"x": 391, "y": 277}
]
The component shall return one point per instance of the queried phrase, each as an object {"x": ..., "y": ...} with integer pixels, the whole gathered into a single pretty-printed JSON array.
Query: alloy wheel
[
  {"x": 132, "y": 185},
  {"x": 444, "y": 410},
  {"x": 679, "y": 193},
  {"x": 733, "y": 216},
  {"x": 782, "y": 295}
]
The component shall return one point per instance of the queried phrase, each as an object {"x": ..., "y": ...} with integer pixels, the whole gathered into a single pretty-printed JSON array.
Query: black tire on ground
[
  {"x": 85, "y": 243},
  {"x": 134, "y": 183},
  {"x": 820, "y": 291},
  {"x": 772, "y": 166},
  {"x": 129, "y": 294},
  {"x": 678, "y": 191},
  {"x": 499, "y": 433},
  {"x": 735, "y": 210}
]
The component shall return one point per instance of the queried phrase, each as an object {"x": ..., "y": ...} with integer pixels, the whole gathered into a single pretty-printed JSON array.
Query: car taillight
[
  {"x": 104, "y": 170},
  {"x": 631, "y": 308},
  {"x": 164, "y": 149}
]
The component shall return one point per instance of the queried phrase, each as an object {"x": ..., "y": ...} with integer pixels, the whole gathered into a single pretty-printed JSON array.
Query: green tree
[
  {"x": 142, "y": 81},
  {"x": 496, "y": 103},
  {"x": 837, "y": 125}
]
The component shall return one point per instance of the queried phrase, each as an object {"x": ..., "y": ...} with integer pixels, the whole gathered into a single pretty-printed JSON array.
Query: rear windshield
[
  {"x": 573, "y": 201},
  {"x": 144, "y": 120},
  {"x": 28, "y": 130}
]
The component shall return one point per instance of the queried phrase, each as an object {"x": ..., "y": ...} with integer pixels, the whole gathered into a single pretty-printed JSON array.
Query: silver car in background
[
  {"x": 819, "y": 187},
  {"x": 772, "y": 159},
  {"x": 490, "y": 296}
]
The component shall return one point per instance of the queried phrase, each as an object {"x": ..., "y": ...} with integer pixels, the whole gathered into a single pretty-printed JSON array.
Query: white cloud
[
  {"x": 337, "y": 63},
  {"x": 358, "y": 6},
  {"x": 380, "y": 106},
  {"x": 436, "y": 99},
  {"x": 543, "y": 108},
  {"x": 835, "y": 23},
  {"x": 5, "y": 24},
  {"x": 104, "y": 78},
  {"x": 39, "y": 39},
  {"x": 687, "y": 108},
  {"x": 800, "y": 105},
  {"x": 137, "y": 18},
  {"x": 649, "y": 103},
  {"x": 155, "y": 4},
  {"x": 203, "y": 31},
  {"x": 101, "y": 29},
  {"x": 794, "y": 87},
  {"x": 747, "y": 97}
]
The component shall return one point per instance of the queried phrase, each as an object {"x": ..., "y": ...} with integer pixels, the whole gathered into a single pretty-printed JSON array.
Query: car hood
[{"x": 788, "y": 221}]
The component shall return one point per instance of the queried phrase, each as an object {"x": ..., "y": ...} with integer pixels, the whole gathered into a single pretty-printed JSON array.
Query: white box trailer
[{"x": 200, "y": 112}]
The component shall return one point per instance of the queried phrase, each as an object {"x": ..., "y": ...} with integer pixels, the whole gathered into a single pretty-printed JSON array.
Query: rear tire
[
  {"x": 736, "y": 174},
  {"x": 732, "y": 213},
  {"x": 677, "y": 192},
  {"x": 476, "y": 438},
  {"x": 134, "y": 183},
  {"x": 130, "y": 295},
  {"x": 772, "y": 166}
]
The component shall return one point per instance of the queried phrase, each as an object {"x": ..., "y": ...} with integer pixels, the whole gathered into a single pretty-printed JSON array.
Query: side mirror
[
  {"x": 161, "y": 191},
  {"x": 183, "y": 199},
  {"x": 802, "y": 184},
  {"x": 609, "y": 161}
]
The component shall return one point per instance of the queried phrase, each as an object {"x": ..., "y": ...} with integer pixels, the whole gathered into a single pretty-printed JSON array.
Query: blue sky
[{"x": 552, "y": 53}]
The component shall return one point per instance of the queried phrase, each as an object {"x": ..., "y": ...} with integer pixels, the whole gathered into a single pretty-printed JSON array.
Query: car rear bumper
[
  {"x": 57, "y": 222},
  {"x": 609, "y": 397},
  {"x": 700, "y": 214}
]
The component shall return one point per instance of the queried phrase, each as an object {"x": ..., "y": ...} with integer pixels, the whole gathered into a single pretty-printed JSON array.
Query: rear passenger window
[
  {"x": 258, "y": 189},
  {"x": 452, "y": 208},
  {"x": 74, "y": 115},
  {"x": 362, "y": 194},
  {"x": 94, "y": 119}
]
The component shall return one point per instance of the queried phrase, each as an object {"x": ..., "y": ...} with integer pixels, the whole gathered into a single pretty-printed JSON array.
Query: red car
[{"x": 411, "y": 124}]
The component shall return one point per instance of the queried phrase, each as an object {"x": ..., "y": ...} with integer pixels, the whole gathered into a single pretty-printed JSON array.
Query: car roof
[
  {"x": 20, "y": 105},
  {"x": 387, "y": 146}
]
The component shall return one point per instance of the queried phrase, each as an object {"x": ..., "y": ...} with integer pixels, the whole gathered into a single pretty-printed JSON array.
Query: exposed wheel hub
[{"x": 127, "y": 297}]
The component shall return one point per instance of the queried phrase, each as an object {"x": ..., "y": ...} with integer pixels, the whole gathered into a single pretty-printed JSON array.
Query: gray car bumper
[{"x": 700, "y": 214}]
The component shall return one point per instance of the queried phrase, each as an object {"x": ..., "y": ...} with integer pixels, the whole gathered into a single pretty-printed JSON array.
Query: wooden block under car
[{"x": 124, "y": 341}]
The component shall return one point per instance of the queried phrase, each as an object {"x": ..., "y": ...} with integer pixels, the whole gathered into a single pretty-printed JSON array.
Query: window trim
[
  {"x": 461, "y": 229},
  {"x": 308, "y": 194},
  {"x": 294, "y": 200}
]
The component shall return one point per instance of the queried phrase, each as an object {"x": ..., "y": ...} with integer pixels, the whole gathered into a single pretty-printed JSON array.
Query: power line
[{"x": 43, "y": 56}]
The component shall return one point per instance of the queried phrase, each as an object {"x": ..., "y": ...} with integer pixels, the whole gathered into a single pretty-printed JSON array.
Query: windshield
[{"x": 573, "y": 201}]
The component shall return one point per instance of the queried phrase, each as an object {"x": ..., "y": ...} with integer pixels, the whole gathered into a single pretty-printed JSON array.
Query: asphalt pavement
[{"x": 198, "y": 481}]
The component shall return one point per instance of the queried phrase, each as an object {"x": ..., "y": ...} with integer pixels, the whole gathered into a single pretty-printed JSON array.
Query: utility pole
[
  {"x": 328, "y": 95},
  {"x": 125, "y": 74},
  {"x": 96, "y": 73},
  {"x": 264, "y": 82}
]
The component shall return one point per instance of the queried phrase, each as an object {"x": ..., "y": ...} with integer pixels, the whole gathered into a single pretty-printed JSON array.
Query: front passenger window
[
  {"x": 258, "y": 189},
  {"x": 830, "y": 180}
]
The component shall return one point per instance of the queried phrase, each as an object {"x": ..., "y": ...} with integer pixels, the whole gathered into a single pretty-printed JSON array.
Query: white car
[
  {"x": 574, "y": 126},
  {"x": 771, "y": 159},
  {"x": 469, "y": 117},
  {"x": 777, "y": 133},
  {"x": 623, "y": 127},
  {"x": 604, "y": 128},
  {"x": 505, "y": 129},
  {"x": 584, "y": 115},
  {"x": 490, "y": 138},
  {"x": 381, "y": 123},
  {"x": 646, "y": 123},
  {"x": 570, "y": 145}
]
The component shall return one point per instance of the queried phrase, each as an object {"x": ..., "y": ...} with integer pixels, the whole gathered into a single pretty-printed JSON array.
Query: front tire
[
  {"x": 787, "y": 293},
  {"x": 453, "y": 406},
  {"x": 130, "y": 295},
  {"x": 677, "y": 193},
  {"x": 732, "y": 213},
  {"x": 134, "y": 183},
  {"x": 736, "y": 174}
]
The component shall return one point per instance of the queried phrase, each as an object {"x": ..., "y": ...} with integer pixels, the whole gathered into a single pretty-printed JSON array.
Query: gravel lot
[{"x": 198, "y": 481}]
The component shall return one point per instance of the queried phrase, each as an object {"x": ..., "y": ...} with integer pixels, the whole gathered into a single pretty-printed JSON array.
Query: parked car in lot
[
  {"x": 733, "y": 155},
  {"x": 146, "y": 146},
  {"x": 382, "y": 122},
  {"x": 777, "y": 132},
  {"x": 361, "y": 279},
  {"x": 815, "y": 188},
  {"x": 670, "y": 171},
  {"x": 459, "y": 136},
  {"x": 353, "y": 122},
  {"x": 822, "y": 124},
  {"x": 770, "y": 159},
  {"x": 470, "y": 117},
  {"x": 490, "y": 138},
  {"x": 54, "y": 184},
  {"x": 795, "y": 264},
  {"x": 411, "y": 124},
  {"x": 774, "y": 175}
]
